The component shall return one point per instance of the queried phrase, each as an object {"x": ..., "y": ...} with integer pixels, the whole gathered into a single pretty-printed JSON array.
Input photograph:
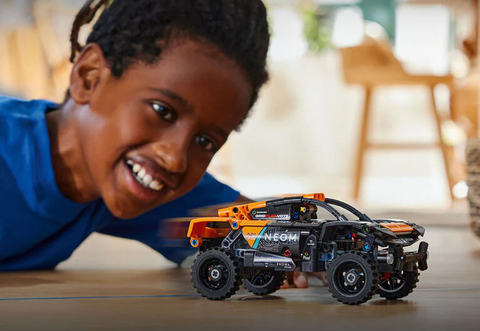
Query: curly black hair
[{"x": 131, "y": 31}]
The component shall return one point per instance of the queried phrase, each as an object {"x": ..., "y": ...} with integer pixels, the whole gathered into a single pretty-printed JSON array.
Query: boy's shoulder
[
  {"x": 21, "y": 120},
  {"x": 26, "y": 170},
  {"x": 22, "y": 129},
  {"x": 18, "y": 109}
]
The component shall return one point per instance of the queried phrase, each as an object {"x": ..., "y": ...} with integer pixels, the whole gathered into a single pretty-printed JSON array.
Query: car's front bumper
[{"x": 406, "y": 260}]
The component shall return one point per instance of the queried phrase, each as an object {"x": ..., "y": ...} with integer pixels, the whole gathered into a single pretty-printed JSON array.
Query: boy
[{"x": 153, "y": 95}]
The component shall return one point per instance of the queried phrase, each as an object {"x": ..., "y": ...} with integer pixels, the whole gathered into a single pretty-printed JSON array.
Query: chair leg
[
  {"x": 362, "y": 143},
  {"x": 447, "y": 155}
]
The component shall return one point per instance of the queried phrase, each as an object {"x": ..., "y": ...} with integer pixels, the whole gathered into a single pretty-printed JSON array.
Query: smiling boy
[{"x": 153, "y": 96}]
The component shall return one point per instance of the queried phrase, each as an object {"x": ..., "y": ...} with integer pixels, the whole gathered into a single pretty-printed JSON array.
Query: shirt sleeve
[{"x": 148, "y": 228}]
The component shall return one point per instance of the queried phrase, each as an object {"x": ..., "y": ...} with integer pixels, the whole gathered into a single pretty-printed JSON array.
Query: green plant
[{"x": 316, "y": 29}]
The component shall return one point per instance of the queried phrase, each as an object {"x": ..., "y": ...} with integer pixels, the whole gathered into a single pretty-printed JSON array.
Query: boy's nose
[{"x": 173, "y": 156}]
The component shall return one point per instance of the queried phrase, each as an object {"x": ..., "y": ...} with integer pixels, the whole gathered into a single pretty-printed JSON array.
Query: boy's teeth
[
  {"x": 156, "y": 186},
  {"x": 142, "y": 173},
  {"x": 144, "y": 178},
  {"x": 147, "y": 179},
  {"x": 136, "y": 168}
]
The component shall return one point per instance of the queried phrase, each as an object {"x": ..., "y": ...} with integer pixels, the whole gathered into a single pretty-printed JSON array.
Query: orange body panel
[
  {"x": 241, "y": 212},
  {"x": 198, "y": 228},
  {"x": 237, "y": 217},
  {"x": 251, "y": 234},
  {"x": 398, "y": 228},
  {"x": 254, "y": 223},
  {"x": 316, "y": 196}
]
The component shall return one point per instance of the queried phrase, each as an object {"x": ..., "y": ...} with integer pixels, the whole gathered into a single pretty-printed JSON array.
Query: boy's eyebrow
[
  {"x": 221, "y": 132},
  {"x": 174, "y": 96}
]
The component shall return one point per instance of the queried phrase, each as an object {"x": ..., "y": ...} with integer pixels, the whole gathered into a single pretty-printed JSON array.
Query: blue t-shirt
[{"x": 39, "y": 227}]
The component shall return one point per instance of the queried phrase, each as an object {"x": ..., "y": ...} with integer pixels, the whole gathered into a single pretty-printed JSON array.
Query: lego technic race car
[{"x": 258, "y": 243}]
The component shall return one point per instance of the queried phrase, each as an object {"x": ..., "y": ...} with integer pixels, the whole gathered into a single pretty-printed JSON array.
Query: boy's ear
[{"x": 87, "y": 73}]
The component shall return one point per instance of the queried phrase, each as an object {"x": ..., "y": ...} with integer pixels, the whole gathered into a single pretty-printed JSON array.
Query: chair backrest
[
  {"x": 32, "y": 66},
  {"x": 368, "y": 62},
  {"x": 53, "y": 20},
  {"x": 9, "y": 80}
]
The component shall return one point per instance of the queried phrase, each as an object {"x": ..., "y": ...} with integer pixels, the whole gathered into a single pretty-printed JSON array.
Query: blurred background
[{"x": 371, "y": 101}]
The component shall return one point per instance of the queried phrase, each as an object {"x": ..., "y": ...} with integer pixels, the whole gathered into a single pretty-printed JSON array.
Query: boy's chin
[
  {"x": 126, "y": 213},
  {"x": 124, "y": 208}
]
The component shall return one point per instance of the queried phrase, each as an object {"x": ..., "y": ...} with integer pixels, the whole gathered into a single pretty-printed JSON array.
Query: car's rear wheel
[
  {"x": 265, "y": 282},
  {"x": 398, "y": 285}
]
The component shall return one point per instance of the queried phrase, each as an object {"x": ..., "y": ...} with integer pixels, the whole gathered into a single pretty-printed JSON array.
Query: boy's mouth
[{"x": 145, "y": 177}]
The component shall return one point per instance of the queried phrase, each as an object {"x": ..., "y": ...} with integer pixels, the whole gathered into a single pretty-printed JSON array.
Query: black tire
[
  {"x": 265, "y": 282},
  {"x": 211, "y": 243},
  {"x": 353, "y": 278},
  {"x": 216, "y": 274},
  {"x": 398, "y": 285}
]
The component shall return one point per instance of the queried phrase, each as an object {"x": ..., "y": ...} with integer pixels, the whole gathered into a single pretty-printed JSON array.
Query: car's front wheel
[
  {"x": 216, "y": 274},
  {"x": 352, "y": 277}
]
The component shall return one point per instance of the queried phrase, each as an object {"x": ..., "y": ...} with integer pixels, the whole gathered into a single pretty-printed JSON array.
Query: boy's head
[{"x": 158, "y": 89}]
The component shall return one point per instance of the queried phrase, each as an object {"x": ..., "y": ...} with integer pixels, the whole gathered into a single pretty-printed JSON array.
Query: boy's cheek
[{"x": 192, "y": 178}]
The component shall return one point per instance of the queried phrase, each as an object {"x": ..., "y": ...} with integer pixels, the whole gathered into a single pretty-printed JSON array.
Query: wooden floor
[{"x": 447, "y": 298}]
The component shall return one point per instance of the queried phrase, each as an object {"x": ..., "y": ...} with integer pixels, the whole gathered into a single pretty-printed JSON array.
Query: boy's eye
[
  {"x": 167, "y": 114},
  {"x": 206, "y": 143}
]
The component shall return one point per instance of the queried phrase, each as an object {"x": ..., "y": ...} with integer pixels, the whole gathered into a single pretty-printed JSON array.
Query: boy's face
[{"x": 148, "y": 137}]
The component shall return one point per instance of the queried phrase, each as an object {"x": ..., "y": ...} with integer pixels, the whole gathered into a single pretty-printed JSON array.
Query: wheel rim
[
  {"x": 350, "y": 278},
  {"x": 214, "y": 274},
  {"x": 393, "y": 283},
  {"x": 261, "y": 279}
]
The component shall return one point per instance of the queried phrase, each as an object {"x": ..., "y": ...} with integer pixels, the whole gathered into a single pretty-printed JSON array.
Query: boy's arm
[{"x": 149, "y": 228}]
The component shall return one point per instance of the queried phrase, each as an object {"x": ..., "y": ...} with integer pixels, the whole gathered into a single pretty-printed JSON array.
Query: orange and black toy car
[{"x": 258, "y": 243}]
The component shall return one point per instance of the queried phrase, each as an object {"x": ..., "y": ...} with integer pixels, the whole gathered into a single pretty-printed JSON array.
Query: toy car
[{"x": 258, "y": 243}]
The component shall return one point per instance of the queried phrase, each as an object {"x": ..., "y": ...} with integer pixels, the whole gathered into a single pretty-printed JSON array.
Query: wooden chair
[
  {"x": 53, "y": 21},
  {"x": 22, "y": 63},
  {"x": 9, "y": 67},
  {"x": 372, "y": 64},
  {"x": 465, "y": 101}
]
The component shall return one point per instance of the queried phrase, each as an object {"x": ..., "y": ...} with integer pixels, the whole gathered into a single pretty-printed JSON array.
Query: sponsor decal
[
  {"x": 273, "y": 213},
  {"x": 263, "y": 214},
  {"x": 250, "y": 236},
  {"x": 283, "y": 237}
]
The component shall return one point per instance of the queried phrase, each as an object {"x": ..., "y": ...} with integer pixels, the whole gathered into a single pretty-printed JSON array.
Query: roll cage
[{"x": 327, "y": 204}]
